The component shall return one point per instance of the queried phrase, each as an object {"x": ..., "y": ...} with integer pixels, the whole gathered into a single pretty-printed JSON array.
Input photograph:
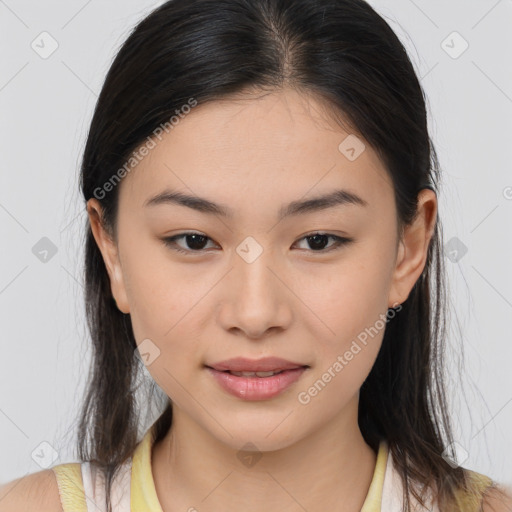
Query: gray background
[{"x": 46, "y": 106}]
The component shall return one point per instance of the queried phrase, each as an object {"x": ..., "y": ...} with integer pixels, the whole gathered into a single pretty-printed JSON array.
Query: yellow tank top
[{"x": 81, "y": 491}]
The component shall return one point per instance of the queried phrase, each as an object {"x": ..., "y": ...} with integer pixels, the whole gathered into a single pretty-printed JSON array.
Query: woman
[{"x": 264, "y": 240}]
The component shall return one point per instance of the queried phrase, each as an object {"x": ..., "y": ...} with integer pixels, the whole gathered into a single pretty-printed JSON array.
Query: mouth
[{"x": 256, "y": 380}]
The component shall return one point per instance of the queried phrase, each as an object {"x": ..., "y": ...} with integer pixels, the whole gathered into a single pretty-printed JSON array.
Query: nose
[{"x": 255, "y": 298}]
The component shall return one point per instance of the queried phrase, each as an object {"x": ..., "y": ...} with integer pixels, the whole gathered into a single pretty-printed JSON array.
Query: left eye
[
  {"x": 196, "y": 242},
  {"x": 319, "y": 240}
]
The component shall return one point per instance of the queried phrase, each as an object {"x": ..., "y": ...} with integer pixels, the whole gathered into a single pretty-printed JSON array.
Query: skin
[{"x": 255, "y": 154}]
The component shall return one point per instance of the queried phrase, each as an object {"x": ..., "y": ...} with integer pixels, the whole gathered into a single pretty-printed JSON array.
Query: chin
[{"x": 261, "y": 435}]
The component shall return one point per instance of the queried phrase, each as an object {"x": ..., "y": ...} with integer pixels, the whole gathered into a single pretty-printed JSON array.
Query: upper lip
[{"x": 266, "y": 364}]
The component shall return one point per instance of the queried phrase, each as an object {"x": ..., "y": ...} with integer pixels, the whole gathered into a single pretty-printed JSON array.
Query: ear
[
  {"x": 413, "y": 248},
  {"x": 110, "y": 252}
]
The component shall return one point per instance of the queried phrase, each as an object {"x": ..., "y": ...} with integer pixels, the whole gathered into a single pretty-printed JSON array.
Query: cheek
[
  {"x": 352, "y": 302},
  {"x": 350, "y": 297},
  {"x": 165, "y": 308},
  {"x": 352, "y": 308},
  {"x": 159, "y": 291},
  {"x": 169, "y": 304}
]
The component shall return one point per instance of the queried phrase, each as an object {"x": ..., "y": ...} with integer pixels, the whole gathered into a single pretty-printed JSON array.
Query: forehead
[{"x": 257, "y": 148}]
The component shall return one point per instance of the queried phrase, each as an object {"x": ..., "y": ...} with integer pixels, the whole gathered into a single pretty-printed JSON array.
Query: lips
[{"x": 251, "y": 379}]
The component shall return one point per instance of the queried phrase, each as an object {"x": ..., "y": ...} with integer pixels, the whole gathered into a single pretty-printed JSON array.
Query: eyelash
[{"x": 339, "y": 242}]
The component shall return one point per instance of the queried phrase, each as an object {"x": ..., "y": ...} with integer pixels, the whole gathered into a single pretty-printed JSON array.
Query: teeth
[{"x": 255, "y": 374}]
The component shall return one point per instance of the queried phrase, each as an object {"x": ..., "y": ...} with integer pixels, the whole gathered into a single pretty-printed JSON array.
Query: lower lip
[{"x": 256, "y": 388}]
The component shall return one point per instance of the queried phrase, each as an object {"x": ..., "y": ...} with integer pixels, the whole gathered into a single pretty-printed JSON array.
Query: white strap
[
  {"x": 392, "y": 491},
  {"x": 94, "y": 487}
]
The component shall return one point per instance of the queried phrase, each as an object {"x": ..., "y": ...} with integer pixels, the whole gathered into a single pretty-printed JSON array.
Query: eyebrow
[{"x": 333, "y": 199}]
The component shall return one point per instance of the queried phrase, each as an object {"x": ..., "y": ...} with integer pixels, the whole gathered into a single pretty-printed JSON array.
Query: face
[{"x": 309, "y": 285}]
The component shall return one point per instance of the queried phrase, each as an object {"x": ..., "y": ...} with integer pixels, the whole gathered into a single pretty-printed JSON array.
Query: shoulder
[
  {"x": 34, "y": 492},
  {"x": 497, "y": 498}
]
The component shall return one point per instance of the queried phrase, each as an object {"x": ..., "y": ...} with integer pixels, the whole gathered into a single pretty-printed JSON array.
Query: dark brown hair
[{"x": 343, "y": 52}]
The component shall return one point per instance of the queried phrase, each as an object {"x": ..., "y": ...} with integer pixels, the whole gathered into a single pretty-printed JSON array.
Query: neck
[{"x": 331, "y": 468}]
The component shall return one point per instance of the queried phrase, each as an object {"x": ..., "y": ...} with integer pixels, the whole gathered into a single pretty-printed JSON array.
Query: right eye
[{"x": 195, "y": 241}]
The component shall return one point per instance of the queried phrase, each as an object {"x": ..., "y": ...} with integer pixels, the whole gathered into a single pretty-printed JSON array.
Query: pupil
[
  {"x": 195, "y": 237},
  {"x": 316, "y": 239}
]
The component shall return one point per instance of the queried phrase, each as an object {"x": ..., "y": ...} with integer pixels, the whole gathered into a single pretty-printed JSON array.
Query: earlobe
[
  {"x": 413, "y": 247},
  {"x": 110, "y": 254}
]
